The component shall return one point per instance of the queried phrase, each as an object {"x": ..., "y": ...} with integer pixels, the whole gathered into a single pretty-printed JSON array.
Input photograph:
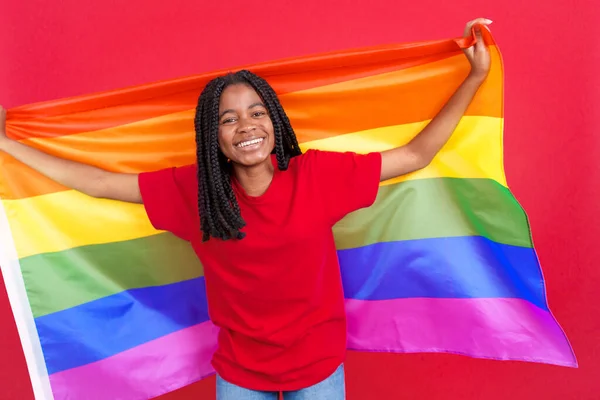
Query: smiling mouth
[{"x": 250, "y": 142}]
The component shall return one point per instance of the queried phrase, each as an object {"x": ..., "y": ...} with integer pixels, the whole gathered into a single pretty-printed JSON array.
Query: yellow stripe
[
  {"x": 474, "y": 150},
  {"x": 63, "y": 220}
]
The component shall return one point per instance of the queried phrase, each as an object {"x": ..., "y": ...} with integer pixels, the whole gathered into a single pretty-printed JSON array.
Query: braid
[{"x": 220, "y": 214}]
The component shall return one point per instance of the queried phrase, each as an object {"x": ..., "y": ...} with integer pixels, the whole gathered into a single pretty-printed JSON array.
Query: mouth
[{"x": 250, "y": 143}]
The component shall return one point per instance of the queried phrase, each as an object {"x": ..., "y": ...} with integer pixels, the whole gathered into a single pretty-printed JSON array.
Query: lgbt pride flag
[{"x": 109, "y": 308}]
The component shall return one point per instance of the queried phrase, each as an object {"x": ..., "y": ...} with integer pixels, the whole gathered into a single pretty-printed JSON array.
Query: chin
[{"x": 252, "y": 160}]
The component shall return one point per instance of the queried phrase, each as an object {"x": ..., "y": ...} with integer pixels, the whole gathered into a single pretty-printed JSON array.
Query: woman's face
[{"x": 246, "y": 135}]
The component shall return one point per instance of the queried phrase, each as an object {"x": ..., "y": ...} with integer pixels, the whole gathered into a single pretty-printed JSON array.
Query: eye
[
  {"x": 258, "y": 114},
  {"x": 228, "y": 120}
]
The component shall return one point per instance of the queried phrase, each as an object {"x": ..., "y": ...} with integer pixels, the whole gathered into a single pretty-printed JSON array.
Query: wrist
[{"x": 477, "y": 77}]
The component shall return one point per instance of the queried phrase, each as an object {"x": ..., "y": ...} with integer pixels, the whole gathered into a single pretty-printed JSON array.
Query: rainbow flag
[{"x": 109, "y": 308}]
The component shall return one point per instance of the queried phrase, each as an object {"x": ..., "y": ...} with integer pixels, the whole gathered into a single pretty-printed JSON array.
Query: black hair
[{"x": 220, "y": 215}]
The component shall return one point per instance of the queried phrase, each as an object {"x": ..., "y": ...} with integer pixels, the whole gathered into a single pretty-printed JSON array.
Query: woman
[{"x": 259, "y": 215}]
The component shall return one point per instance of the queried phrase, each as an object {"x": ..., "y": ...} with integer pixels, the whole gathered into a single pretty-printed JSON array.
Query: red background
[{"x": 51, "y": 49}]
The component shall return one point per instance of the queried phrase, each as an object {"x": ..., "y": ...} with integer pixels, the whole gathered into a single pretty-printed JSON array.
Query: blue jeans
[{"x": 332, "y": 388}]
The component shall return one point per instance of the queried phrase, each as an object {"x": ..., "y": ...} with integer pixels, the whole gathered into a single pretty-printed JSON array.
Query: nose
[{"x": 246, "y": 126}]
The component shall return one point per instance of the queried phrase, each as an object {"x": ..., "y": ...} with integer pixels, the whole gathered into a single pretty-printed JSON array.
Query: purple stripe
[
  {"x": 495, "y": 328},
  {"x": 145, "y": 371}
]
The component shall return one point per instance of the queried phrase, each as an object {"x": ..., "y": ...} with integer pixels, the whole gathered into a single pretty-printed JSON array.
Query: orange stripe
[
  {"x": 395, "y": 98},
  {"x": 119, "y": 107}
]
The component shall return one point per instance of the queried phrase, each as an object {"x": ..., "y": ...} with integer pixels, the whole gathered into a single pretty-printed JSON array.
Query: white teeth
[{"x": 249, "y": 142}]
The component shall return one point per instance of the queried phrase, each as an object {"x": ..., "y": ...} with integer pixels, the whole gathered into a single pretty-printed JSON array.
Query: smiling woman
[
  {"x": 259, "y": 215},
  {"x": 237, "y": 141}
]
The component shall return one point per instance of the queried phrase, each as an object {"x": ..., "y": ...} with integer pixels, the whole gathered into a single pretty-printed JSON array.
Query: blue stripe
[
  {"x": 104, "y": 327},
  {"x": 459, "y": 267}
]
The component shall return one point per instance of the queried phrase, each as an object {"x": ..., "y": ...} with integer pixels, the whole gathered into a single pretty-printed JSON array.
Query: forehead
[{"x": 238, "y": 96}]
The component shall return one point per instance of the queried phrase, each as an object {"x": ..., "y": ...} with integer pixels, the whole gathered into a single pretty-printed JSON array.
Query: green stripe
[
  {"x": 56, "y": 281},
  {"x": 434, "y": 208},
  {"x": 416, "y": 209}
]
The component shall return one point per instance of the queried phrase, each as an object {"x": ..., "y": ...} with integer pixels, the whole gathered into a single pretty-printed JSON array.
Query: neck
[{"x": 256, "y": 179}]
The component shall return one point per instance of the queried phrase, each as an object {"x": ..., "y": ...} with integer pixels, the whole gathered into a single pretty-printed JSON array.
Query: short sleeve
[
  {"x": 347, "y": 181},
  {"x": 170, "y": 199}
]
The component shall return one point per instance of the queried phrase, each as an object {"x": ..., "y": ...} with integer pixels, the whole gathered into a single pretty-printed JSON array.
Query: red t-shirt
[{"x": 276, "y": 295}]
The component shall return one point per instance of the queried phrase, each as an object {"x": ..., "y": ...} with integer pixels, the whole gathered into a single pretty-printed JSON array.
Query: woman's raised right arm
[{"x": 87, "y": 179}]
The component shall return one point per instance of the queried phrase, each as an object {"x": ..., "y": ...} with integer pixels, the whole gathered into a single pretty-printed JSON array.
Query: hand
[{"x": 478, "y": 54}]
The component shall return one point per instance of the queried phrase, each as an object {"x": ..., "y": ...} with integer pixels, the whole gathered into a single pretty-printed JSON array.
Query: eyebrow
[{"x": 257, "y": 104}]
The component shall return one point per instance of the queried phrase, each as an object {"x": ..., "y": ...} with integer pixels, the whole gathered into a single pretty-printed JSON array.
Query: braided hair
[{"x": 220, "y": 215}]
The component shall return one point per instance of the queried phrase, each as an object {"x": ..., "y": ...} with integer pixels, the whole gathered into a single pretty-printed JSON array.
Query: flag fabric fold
[{"x": 109, "y": 308}]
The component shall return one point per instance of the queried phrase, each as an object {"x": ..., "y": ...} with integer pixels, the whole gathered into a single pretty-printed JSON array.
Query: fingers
[
  {"x": 477, "y": 21},
  {"x": 2, "y": 121},
  {"x": 479, "y": 43}
]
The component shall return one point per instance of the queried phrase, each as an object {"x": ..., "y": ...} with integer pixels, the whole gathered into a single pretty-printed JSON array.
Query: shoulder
[
  {"x": 322, "y": 160},
  {"x": 186, "y": 173},
  {"x": 345, "y": 181},
  {"x": 170, "y": 199},
  {"x": 313, "y": 157},
  {"x": 170, "y": 181}
]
